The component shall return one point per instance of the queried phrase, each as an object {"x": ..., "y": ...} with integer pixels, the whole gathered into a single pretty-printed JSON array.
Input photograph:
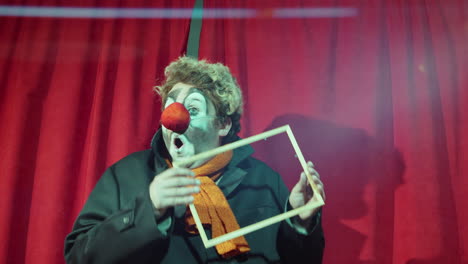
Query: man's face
[{"x": 203, "y": 133}]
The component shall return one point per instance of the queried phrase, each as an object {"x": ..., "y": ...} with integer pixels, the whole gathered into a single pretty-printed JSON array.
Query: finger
[
  {"x": 317, "y": 181},
  {"x": 313, "y": 172},
  {"x": 309, "y": 190},
  {"x": 305, "y": 188},
  {"x": 179, "y": 181},
  {"x": 310, "y": 164},
  {"x": 299, "y": 186},
  {"x": 303, "y": 181},
  {"x": 174, "y": 201},
  {"x": 315, "y": 176},
  {"x": 174, "y": 172},
  {"x": 319, "y": 187},
  {"x": 312, "y": 169},
  {"x": 181, "y": 191},
  {"x": 321, "y": 191}
]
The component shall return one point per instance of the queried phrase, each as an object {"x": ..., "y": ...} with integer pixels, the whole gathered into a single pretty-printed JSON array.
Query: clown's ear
[{"x": 225, "y": 127}]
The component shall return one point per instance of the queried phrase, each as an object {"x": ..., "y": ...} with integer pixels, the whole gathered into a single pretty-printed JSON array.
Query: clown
[{"x": 138, "y": 209}]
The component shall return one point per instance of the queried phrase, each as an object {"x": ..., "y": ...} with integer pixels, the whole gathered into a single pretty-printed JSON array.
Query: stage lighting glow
[{"x": 173, "y": 13}]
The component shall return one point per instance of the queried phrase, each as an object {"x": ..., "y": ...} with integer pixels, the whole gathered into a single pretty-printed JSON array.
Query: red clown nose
[{"x": 176, "y": 118}]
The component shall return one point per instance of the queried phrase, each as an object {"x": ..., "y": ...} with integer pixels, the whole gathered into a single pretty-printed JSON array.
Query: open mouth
[{"x": 178, "y": 143}]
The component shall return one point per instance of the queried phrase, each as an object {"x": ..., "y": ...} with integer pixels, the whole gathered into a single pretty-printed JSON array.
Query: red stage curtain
[
  {"x": 378, "y": 101},
  {"x": 76, "y": 96}
]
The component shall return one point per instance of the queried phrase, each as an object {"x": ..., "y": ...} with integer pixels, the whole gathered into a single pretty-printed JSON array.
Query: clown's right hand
[{"x": 174, "y": 186}]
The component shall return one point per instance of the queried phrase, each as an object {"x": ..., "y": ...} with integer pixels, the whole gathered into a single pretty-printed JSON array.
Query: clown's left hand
[{"x": 302, "y": 194}]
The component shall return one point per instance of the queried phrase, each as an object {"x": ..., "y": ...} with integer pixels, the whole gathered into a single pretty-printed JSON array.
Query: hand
[
  {"x": 302, "y": 193},
  {"x": 174, "y": 186}
]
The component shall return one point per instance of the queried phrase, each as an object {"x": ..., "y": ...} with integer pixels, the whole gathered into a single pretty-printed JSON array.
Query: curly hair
[{"x": 215, "y": 80}]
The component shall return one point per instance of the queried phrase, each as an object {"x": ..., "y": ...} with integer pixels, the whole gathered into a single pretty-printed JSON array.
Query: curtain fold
[
  {"x": 377, "y": 101},
  {"x": 376, "y": 93},
  {"x": 76, "y": 97}
]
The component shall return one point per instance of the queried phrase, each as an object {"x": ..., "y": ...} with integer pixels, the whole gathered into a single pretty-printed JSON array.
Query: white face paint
[{"x": 203, "y": 133}]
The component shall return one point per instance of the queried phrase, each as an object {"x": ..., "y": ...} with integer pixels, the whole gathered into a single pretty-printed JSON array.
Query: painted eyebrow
[
  {"x": 193, "y": 99},
  {"x": 173, "y": 94},
  {"x": 192, "y": 91}
]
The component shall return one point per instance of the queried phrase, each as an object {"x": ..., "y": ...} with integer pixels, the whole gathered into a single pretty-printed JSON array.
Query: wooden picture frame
[{"x": 317, "y": 199}]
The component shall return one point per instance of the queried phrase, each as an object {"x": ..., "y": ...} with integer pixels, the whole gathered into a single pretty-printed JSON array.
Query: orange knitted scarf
[{"x": 213, "y": 208}]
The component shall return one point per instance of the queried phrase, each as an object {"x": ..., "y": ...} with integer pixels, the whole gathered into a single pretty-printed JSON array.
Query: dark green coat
[{"x": 117, "y": 223}]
